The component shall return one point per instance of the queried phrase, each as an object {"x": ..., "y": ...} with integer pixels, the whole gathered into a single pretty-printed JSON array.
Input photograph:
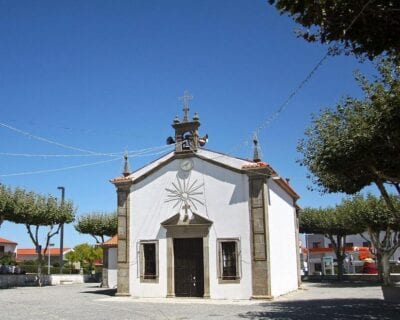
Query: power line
[
  {"x": 76, "y": 166},
  {"x": 308, "y": 77},
  {"x": 30, "y": 135},
  {"x": 112, "y": 154},
  {"x": 57, "y": 169}
]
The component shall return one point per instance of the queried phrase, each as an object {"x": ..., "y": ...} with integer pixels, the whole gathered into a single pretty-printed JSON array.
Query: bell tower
[{"x": 186, "y": 131}]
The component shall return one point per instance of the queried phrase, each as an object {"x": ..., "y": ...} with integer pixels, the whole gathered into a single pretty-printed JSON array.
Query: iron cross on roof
[{"x": 186, "y": 98}]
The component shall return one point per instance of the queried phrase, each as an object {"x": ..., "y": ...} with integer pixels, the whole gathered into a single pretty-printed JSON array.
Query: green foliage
[
  {"x": 375, "y": 216},
  {"x": 374, "y": 32},
  {"x": 335, "y": 224},
  {"x": 5, "y": 203},
  {"x": 372, "y": 213},
  {"x": 29, "y": 208},
  {"x": 98, "y": 225},
  {"x": 7, "y": 258},
  {"x": 86, "y": 254},
  {"x": 35, "y": 211},
  {"x": 327, "y": 221},
  {"x": 358, "y": 143},
  {"x": 357, "y": 215}
]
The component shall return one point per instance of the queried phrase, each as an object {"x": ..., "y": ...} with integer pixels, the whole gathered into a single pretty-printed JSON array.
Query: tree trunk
[
  {"x": 379, "y": 266},
  {"x": 340, "y": 254},
  {"x": 340, "y": 259},
  {"x": 39, "y": 272},
  {"x": 386, "y": 281}
]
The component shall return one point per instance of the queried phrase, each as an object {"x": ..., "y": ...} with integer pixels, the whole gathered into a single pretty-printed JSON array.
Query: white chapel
[{"x": 199, "y": 223}]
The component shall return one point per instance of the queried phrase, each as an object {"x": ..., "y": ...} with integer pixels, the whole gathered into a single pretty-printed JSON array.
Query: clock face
[{"x": 186, "y": 164}]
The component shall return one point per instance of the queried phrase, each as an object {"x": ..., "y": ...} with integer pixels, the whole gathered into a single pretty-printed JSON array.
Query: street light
[
  {"x": 62, "y": 232},
  {"x": 48, "y": 257}
]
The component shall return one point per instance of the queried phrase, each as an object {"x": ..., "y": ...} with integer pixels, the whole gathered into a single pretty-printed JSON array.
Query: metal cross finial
[
  {"x": 256, "y": 154},
  {"x": 126, "y": 165},
  {"x": 186, "y": 98}
]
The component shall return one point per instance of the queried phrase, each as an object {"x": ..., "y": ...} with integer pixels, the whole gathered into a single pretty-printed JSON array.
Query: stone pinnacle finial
[
  {"x": 256, "y": 154},
  {"x": 127, "y": 171}
]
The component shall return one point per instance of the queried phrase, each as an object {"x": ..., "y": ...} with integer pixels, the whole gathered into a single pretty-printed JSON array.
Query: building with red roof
[
  {"x": 26, "y": 254},
  {"x": 7, "y": 246}
]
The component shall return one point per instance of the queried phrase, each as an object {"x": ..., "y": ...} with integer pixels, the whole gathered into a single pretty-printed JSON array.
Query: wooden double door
[{"x": 189, "y": 267}]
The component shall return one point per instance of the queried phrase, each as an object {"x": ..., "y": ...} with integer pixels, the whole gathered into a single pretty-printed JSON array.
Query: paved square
[{"x": 88, "y": 301}]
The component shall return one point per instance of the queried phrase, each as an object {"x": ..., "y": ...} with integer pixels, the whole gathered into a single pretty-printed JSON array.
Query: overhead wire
[
  {"x": 79, "y": 166},
  {"x": 39, "y": 138},
  {"x": 111, "y": 154},
  {"x": 58, "y": 169},
  {"x": 266, "y": 123},
  {"x": 299, "y": 87}
]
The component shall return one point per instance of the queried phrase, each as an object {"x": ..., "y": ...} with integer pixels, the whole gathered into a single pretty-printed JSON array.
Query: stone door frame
[{"x": 176, "y": 229}]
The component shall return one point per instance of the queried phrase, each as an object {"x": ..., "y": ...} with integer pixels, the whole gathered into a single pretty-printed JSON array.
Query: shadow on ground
[
  {"x": 391, "y": 294},
  {"x": 106, "y": 292},
  {"x": 330, "y": 309},
  {"x": 344, "y": 283}
]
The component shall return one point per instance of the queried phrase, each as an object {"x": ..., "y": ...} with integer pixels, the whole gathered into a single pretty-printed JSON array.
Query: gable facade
[
  {"x": 197, "y": 223},
  {"x": 240, "y": 213}
]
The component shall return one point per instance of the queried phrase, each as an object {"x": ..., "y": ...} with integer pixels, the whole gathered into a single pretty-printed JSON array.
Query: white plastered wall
[
  {"x": 9, "y": 248},
  {"x": 282, "y": 240},
  {"x": 225, "y": 198},
  {"x": 112, "y": 267}
]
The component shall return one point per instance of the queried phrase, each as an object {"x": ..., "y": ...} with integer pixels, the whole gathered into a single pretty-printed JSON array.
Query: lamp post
[
  {"x": 48, "y": 257},
  {"x": 62, "y": 232}
]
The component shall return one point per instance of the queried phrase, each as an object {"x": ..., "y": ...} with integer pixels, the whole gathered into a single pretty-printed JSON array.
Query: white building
[
  {"x": 7, "y": 247},
  {"x": 110, "y": 266},
  {"x": 200, "y": 223},
  {"x": 357, "y": 248}
]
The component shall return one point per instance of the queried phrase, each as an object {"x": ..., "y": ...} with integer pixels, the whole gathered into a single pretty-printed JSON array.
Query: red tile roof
[
  {"x": 32, "y": 251},
  {"x": 2, "y": 240},
  {"x": 259, "y": 164},
  {"x": 113, "y": 242}
]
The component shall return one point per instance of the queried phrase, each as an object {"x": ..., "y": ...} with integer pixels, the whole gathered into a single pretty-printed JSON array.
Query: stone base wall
[
  {"x": 17, "y": 280},
  {"x": 350, "y": 277},
  {"x": 23, "y": 280}
]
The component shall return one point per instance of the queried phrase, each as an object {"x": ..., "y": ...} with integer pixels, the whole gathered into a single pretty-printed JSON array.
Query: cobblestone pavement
[{"x": 325, "y": 301}]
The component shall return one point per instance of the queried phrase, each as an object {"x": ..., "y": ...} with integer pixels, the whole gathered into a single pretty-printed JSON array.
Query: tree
[
  {"x": 334, "y": 224},
  {"x": 98, "y": 225},
  {"x": 374, "y": 216},
  {"x": 5, "y": 203},
  {"x": 358, "y": 143},
  {"x": 363, "y": 27},
  {"x": 86, "y": 254},
  {"x": 35, "y": 211}
]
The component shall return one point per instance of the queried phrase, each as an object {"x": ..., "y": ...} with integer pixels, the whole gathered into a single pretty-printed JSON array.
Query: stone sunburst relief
[{"x": 185, "y": 194}]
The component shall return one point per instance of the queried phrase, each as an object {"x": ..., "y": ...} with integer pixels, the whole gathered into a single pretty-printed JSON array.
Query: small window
[
  {"x": 349, "y": 244},
  {"x": 318, "y": 267},
  {"x": 330, "y": 245},
  {"x": 229, "y": 260},
  {"x": 316, "y": 244},
  {"x": 148, "y": 261},
  {"x": 367, "y": 244}
]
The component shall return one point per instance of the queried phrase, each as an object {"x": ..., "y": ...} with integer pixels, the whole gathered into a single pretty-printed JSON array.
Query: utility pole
[{"x": 62, "y": 232}]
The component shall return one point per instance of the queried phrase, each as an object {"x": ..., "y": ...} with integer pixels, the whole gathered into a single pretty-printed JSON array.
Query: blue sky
[{"x": 106, "y": 75}]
